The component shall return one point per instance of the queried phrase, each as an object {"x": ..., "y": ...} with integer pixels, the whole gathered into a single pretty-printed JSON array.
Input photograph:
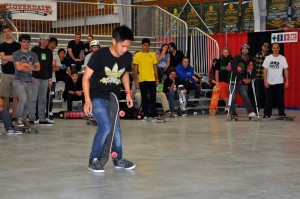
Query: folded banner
[{"x": 33, "y": 10}]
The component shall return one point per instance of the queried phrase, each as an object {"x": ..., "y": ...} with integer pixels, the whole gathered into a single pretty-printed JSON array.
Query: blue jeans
[
  {"x": 242, "y": 89},
  {"x": 101, "y": 115},
  {"x": 172, "y": 96},
  {"x": 4, "y": 116}
]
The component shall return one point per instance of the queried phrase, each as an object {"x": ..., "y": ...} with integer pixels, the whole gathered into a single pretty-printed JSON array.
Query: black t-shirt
[
  {"x": 87, "y": 46},
  {"x": 76, "y": 48},
  {"x": 45, "y": 58},
  {"x": 108, "y": 72},
  {"x": 221, "y": 66},
  {"x": 168, "y": 82},
  {"x": 176, "y": 59},
  {"x": 63, "y": 69},
  {"x": 9, "y": 49}
]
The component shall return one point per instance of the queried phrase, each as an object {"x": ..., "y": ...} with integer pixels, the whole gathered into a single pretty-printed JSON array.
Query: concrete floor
[{"x": 187, "y": 157}]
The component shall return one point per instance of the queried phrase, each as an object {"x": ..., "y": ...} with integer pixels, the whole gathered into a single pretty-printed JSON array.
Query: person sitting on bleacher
[
  {"x": 65, "y": 68},
  {"x": 73, "y": 89},
  {"x": 186, "y": 74},
  {"x": 171, "y": 84},
  {"x": 94, "y": 46}
]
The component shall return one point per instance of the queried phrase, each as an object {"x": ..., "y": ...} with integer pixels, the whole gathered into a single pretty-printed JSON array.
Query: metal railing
[
  {"x": 203, "y": 49},
  {"x": 102, "y": 18}
]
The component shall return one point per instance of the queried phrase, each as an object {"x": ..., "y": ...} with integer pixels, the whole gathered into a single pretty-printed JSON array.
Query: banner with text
[
  {"x": 211, "y": 16},
  {"x": 277, "y": 17},
  {"x": 296, "y": 13},
  {"x": 230, "y": 17},
  {"x": 247, "y": 16},
  {"x": 190, "y": 16},
  {"x": 32, "y": 10}
]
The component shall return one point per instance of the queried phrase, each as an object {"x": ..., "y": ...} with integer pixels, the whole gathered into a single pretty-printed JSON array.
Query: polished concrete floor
[{"x": 188, "y": 157}]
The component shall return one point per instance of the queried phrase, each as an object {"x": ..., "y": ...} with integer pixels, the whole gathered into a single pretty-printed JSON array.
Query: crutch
[
  {"x": 253, "y": 88},
  {"x": 230, "y": 96}
]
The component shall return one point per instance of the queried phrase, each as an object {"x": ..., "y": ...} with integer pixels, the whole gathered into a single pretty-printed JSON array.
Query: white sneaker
[
  {"x": 252, "y": 114},
  {"x": 13, "y": 132},
  {"x": 50, "y": 121},
  {"x": 37, "y": 121}
]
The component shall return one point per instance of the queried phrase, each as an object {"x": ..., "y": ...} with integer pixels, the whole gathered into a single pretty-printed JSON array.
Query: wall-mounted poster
[
  {"x": 277, "y": 17},
  {"x": 296, "y": 13},
  {"x": 230, "y": 17},
  {"x": 247, "y": 16},
  {"x": 211, "y": 16}
]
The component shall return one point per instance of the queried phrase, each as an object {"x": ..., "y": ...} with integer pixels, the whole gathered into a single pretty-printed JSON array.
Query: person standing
[
  {"x": 56, "y": 65},
  {"x": 25, "y": 63},
  {"x": 222, "y": 75},
  {"x": 101, "y": 77},
  {"x": 239, "y": 79},
  {"x": 259, "y": 80},
  {"x": 275, "y": 71},
  {"x": 145, "y": 65},
  {"x": 41, "y": 80},
  {"x": 7, "y": 48}
]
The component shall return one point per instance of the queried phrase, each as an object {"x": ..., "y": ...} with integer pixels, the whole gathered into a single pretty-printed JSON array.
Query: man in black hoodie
[
  {"x": 40, "y": 81},
  {"x": 239, "y": 79}
]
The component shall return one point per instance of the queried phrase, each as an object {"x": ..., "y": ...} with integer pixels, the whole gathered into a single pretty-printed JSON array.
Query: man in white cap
[{"x": 41, "y": 80}]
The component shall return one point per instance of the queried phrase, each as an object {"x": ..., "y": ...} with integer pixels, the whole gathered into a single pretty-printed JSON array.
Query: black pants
[
  {"x": 260, "y": 91},
  {"x": 51, "y": 97},
  {"x": 70, "y": 98},
  {"x": 188, "y": 85},
  {"x": 148, "y": 93},
  {"x": 270, "y": 93}
]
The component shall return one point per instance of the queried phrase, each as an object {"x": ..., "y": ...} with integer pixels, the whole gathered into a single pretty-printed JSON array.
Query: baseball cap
[{"x": 44, "y": 36}]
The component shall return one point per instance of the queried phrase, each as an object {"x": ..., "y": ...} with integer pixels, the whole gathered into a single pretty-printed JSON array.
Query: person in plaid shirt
[{"x": 259, "y": 82}]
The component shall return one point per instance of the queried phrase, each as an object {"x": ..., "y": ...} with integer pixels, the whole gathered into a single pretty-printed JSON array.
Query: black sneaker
[
  {"x": 31, "y": 123},
  {"x": 95, "y": 166},
  {"x": 46, "y": 123},
  {"x": 123, "y": 163}
]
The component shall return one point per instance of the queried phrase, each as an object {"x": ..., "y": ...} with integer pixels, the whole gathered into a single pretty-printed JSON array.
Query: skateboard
[
  {"x": 71, "y": 115},
  {"x": 182, "y": 99},
  {"x": 91, "y": 121},
  {"x": 26, "y": 129},
  {"x": 157, "y": 119},
  {"x": 113, "y": 114},
  {"x": 286, "y": 118},
  {"x": 213, "y": 106}
]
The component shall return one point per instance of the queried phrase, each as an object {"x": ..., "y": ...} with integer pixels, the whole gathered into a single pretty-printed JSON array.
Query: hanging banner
[
  {"x": 32, "y": 10},
  {"x": 230, "y": 17},
  {"x": 247, "y": 16},
  {"x": 295, "y": 17},
  {"x": 175, "y": 11},
  {"x": 190, "y": 16},
  {"x": 211, "y": 16},
  {"x": 277, "y": 14}
]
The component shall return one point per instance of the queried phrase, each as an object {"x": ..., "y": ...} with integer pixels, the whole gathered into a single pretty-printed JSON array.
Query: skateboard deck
[
  {"x": 213, "y": 106},
  {"x": 26, "y": 129},
  {"x": 286, "y": 118},
  {"x": 182, "y": 98},
  {"x": 91, "y": 121},
  {"x": 113, "y": 114}
]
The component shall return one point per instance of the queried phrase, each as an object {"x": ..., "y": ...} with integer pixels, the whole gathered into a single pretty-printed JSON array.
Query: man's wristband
[{"x": 128, "y": 92}]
